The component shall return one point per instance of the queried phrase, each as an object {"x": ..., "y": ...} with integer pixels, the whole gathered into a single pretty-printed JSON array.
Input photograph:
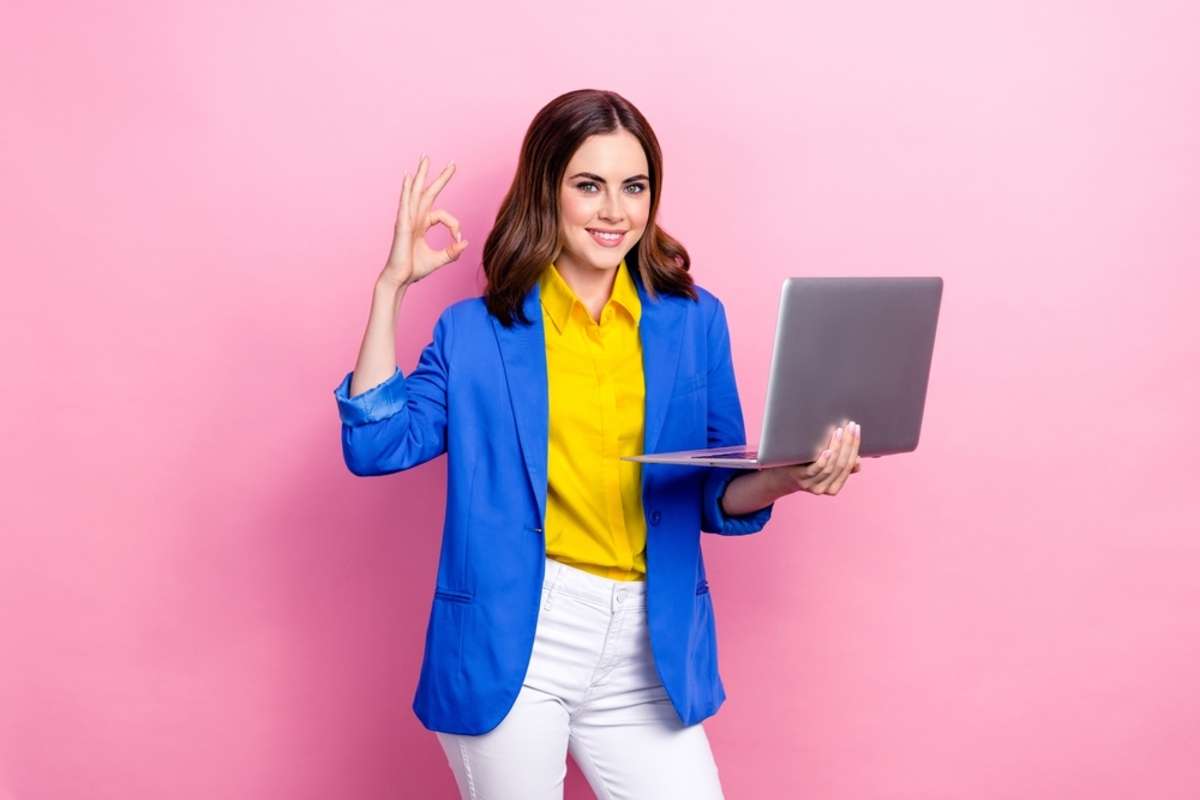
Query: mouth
[{"x": 605, "y": 237}]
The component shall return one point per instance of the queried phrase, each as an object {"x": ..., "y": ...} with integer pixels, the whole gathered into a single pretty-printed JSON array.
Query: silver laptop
[{"x": 845, "y": 348}]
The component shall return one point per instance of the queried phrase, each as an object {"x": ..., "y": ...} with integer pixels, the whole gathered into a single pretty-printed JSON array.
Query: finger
[
  {"x": 432, "y": 192},
  {"x": 819, "y": 472},
  {"x": 808, "y": 473},
  {"x": 840, "y": 438},
  {"x": 446, "y": 218},
  {"x": 454, "y": 250},
  {"x": 818, "y": 463},
  {"x": 402, "y": 239},
  {"x": 833, "y": 438},
  {"x": 419, "y": 188},
  {"x": 814, "y": 474},
  {"x": 835, "y": 463},
  {"x": 835, "y": 435},
  {"x": 847, "y": 452},
  {"x": 404, "y": 217},
  {"x": 451, "y": 252},
  {"x": 850, "y": 455}
]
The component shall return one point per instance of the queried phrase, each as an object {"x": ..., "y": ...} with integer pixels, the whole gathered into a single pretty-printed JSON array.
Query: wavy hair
[{"x": 526, "y": 236}]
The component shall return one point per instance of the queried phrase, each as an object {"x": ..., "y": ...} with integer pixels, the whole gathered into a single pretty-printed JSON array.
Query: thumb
[{"x": 454, "y": 250}]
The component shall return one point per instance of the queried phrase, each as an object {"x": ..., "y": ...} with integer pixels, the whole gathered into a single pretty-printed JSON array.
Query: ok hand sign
[{"x": 411, "y": 258}]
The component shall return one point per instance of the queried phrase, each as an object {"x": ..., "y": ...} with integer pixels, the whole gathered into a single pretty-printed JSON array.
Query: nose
[{"x": 612, "y": 208}]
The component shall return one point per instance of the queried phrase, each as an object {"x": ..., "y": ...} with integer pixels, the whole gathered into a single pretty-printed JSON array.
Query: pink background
[{"x": 198, "y": 600}]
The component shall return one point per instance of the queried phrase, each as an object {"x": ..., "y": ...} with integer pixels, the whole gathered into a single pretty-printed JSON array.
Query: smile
[{"x": 606, "y": 239}]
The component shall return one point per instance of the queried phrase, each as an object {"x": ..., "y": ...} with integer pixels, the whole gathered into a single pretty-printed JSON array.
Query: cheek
[
  {"x": 575, "y": 211},
  {"x": 638, "y": 216}
]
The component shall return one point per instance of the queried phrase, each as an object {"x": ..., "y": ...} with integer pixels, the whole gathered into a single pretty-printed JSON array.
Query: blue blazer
[{"x": 479, "y": 394}]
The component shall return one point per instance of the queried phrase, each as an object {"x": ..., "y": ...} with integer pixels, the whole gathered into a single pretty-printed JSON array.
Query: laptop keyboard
[{"x": 740, "y": 454}]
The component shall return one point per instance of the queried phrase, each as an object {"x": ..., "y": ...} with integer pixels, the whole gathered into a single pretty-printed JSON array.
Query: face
[{"x": 606, "y": 187}]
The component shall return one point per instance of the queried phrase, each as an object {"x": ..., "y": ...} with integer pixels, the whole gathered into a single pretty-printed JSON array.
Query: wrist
[
  {"x": 387, "y": 289},
  {"x": 778, "y": 481},
  {"x": 753, "y": 490}
]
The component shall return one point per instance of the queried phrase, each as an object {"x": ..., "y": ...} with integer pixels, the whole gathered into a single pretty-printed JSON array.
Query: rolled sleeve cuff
[
  {"x": 734, "y": 524},
  {"x": 375, "y": 404}
]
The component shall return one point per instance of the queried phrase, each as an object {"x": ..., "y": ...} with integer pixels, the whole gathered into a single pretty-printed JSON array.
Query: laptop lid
[{"x": 855, "y": 348}]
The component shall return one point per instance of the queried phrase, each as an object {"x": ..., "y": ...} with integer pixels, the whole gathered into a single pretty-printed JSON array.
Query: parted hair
[{"x": 526, "y": 237}]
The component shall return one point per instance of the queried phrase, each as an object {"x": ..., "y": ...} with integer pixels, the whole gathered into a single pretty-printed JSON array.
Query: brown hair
[{"x": 525, "y": 238}]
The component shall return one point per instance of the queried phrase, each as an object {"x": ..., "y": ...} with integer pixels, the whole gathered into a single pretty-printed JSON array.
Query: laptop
[{"x": 856, "y": 348}]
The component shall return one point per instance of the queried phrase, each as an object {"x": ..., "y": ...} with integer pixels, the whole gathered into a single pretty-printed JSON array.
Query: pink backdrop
[{"x": 198, "y": 600}]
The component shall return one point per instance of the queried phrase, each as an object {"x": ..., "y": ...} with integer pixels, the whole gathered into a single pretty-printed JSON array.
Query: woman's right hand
[{"x": 412, "y": 258}]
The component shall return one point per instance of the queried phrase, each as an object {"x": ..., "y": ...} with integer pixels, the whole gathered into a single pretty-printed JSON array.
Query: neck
[{"x": 593, "y": 286}]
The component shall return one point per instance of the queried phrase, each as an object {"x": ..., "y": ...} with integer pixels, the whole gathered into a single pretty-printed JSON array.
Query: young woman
[{"x": 571, "y": 609}]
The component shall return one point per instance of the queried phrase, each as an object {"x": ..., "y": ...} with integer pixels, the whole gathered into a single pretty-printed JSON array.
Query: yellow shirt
[{"x": 594, "y": 518}]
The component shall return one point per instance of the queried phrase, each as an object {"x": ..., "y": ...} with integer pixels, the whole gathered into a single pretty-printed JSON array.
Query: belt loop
[{"x": 556, "y": 573}]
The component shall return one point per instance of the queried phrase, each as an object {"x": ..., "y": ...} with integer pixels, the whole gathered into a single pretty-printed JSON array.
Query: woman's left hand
[{"x": 827, "y": 474}]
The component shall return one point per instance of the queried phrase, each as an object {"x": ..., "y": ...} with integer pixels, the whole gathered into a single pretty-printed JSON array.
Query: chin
[
  {"x": 608, "y": 263},
  {"x": 602, "y": 260}
]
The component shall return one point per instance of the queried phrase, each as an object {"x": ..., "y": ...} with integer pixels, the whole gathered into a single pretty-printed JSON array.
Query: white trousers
[{"x": 592, "y": 688}]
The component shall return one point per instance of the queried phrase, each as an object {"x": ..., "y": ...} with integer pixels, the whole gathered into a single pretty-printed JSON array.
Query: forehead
[{"x": 616, "y": 155}]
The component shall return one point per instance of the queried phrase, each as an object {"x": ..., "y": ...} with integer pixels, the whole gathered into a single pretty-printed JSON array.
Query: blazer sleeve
[
  {"x": 725, "y": 427},
  {"x": 401, "y": 422}
]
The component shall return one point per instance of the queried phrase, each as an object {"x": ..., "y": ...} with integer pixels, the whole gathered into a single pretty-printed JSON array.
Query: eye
[{"x": 641, "y": 187}]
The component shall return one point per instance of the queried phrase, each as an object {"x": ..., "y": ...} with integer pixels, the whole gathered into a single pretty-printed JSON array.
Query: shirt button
[{"x": 655, "y": 517}]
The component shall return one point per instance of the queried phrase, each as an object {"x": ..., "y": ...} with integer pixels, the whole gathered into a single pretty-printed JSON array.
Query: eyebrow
[{"x": 598, "y": 179}]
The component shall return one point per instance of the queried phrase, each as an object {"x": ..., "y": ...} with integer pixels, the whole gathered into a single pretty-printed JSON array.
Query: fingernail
[{"x": 839, "y": 433}]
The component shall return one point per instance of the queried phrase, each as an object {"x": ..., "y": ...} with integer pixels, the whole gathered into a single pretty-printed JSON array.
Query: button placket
[{"x": 597, "y": 362}]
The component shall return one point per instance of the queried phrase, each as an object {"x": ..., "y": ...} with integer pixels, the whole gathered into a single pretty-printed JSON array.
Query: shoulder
[
  {"x": 460, "y": 321},
  {"x": 709, "y": 305},
  {"x": 465, "y": 313}
]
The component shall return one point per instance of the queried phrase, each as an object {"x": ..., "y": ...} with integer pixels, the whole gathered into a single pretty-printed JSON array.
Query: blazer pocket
[
  {"x": 691, "y": 383},
  {"x": 453, "y": 596}
]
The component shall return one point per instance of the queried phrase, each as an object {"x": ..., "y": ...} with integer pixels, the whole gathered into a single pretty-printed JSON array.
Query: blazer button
[{"x": 655, "y": 517}]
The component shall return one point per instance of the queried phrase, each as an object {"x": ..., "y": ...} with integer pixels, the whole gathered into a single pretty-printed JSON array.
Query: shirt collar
[{"x": 558, "y": 298}]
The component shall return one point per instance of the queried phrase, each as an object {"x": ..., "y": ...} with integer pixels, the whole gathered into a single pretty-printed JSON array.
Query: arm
[
  {"x": 726, "y": 427},
  {"x": 377, "y": 354},
  {"x": 752, "y": 490},
  {"x": 390, "y": 422},
  {"x": 398, "y": 422}
]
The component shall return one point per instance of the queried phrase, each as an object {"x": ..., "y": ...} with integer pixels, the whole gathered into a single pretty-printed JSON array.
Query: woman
[{"x": 571, "y": 608}]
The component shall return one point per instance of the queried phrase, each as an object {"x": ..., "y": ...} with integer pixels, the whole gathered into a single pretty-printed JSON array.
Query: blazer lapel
[
  {"x": 523, "y": 350},
  {"x": 660, "y": 330}
]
